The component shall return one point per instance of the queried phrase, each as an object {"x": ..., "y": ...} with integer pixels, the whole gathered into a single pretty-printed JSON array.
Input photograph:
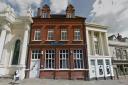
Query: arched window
[{"x": 16, "y": 53}]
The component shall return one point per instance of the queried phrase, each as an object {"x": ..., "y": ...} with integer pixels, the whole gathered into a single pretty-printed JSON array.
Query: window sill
[
  {"x": 64, "y": 69},
  {"x": 37, "y": 40},
  {"x": 63, "y": 40},
  {"x": 47, "y": 69},
  {"x": 77, "y": 40},
  {"x": 50, "y": 40}
]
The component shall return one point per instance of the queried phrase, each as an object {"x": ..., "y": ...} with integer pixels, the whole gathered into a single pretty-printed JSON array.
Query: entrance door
[
  {"x": 93, "y": 69},
  {"x": 100, "y": 68},
  {"x": 108, "y": 68},
  {"x": 34, "y": 71}
]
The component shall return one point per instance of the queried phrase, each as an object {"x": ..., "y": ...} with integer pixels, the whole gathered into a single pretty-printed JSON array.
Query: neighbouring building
[
  {"x": 99, "y": 60},
  {"x": 14, "y": 36},
  {"x": 119, "y": 52},
  {"x": 57, "y": 47}
]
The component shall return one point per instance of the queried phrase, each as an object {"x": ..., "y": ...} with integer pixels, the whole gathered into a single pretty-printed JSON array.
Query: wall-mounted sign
[{"x": 54, "y": 43}]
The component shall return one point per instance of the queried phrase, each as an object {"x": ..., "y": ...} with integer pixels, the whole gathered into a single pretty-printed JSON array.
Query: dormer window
[
  {"x": 44, "y": 12},
  {"x": 70, "y": 11},
  {"x": 44, "y": 15}
]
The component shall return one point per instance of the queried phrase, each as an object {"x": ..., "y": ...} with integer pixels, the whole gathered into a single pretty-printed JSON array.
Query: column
[
  {"x": 24, "y": 52},
  {"x": 2, "y": 40},
  {"x": 106, "y": 45},
  {"x": 88, "y": 42},
  {"x": 24, "y": 47},
  {"x": 101, "y": 44},
  {"x": 93, "y": 47}
]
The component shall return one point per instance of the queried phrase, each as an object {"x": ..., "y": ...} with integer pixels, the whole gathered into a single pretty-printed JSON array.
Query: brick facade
[{"x": 57, "y": 22}]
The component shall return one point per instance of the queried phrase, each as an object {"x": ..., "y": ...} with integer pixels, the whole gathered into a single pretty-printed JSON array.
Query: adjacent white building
[
  {"x": 14, "y": 37},
  {"x": 99, "y": 60},
  {"x": 119, "y": 52}
]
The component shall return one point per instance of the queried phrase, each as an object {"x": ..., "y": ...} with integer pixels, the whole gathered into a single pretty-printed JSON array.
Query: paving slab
[{"x": 63, "y": 82}]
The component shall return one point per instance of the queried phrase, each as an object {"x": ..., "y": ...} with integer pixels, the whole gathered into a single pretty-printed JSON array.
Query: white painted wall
[
  {"x": 104, "y": 49},
  {"x": 16, "y": 27}
]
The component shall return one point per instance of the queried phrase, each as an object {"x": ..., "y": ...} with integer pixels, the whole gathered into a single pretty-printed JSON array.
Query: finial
[{"x": 69, "y": 2}]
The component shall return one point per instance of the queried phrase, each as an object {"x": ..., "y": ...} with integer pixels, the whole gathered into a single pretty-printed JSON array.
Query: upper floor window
[
  {"x": 50, "y": 34},
  {"x": 77, "y": 35},
  {"x": 118, "y": 54},
  {"x": 78, "y": 59},
  {"x": 63, "y": 59},
  {"x": 63, "y": 34},
  {"x": 125, "y": 54},
  {"x": 36, "y": 54},
  {"x": 37, "y": 35}
]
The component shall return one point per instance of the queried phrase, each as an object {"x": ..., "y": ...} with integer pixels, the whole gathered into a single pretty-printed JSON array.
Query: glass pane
[
  {"x": 93, "y": 62},
  {"x": 16, "y": 53},
  {"x": 107, "y": 62},
  {"x": 100, "y": 62}
]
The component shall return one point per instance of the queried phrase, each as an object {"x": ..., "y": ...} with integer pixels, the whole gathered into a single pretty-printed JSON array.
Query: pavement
[{"x": 63, "y": 82}]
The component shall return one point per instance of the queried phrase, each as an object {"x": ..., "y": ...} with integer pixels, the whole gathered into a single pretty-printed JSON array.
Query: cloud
[
  {"x": 2, "y": 6},
  {"x": 22, "y": 6},
  {"x": 58, "y": 6},
  {"x": 113, "y": 13}
]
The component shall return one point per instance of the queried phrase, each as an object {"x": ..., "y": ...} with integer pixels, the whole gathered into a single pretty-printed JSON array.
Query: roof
[
  {"x": 96, "y": 25},
  {"x": 62, "y": 16}
]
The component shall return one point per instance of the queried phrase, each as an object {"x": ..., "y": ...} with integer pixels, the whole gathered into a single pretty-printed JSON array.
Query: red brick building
[{"x": 57, "y": 47}]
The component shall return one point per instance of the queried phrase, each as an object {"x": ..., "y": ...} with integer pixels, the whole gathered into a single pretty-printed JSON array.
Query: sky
[{"x": 112, "y": 13}]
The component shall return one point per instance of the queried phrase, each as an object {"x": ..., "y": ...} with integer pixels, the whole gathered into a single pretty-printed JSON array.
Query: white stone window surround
[
  {"x": 37, "y": 35},
  {"x": 64, "y": 34},
  {"x": 49, "y": 59},
  {"x": 78, "y": 59},
  {"x": 77, "y": 34},
  {"x": 50, "y": 35},
  {"x": 63, "y": 59}
]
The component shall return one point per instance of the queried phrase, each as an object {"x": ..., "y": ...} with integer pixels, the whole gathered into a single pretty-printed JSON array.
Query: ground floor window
[
  {"x": 78, "y": 59},
  {"x": 50, "y": 59},
  {"x": 36, "y": 53},
  {"x": 64, "y": 59},
  {"x": 60, "y": 59}
]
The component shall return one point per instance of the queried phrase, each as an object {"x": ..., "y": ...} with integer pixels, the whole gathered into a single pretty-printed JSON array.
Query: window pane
[
  {"x": 100, "y": 62},
  {"x": 107, "y": 62},
  {"x": 78, "y": 59},
  {"x": 93, "y": 62},
  {"x": 63, "y": 58},
  {"x": 16, "y": 53},
  {"x": 77, "y": 34},
  {"x": 36, "y": 54},
  {"x": 50, "y": 61},
  {"x": 37, "y": 35},
  {"x": 50, "y": 34}
]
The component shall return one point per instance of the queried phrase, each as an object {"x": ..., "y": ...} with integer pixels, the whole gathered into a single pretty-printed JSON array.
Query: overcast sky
[{"x": 113, "y": 13}]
